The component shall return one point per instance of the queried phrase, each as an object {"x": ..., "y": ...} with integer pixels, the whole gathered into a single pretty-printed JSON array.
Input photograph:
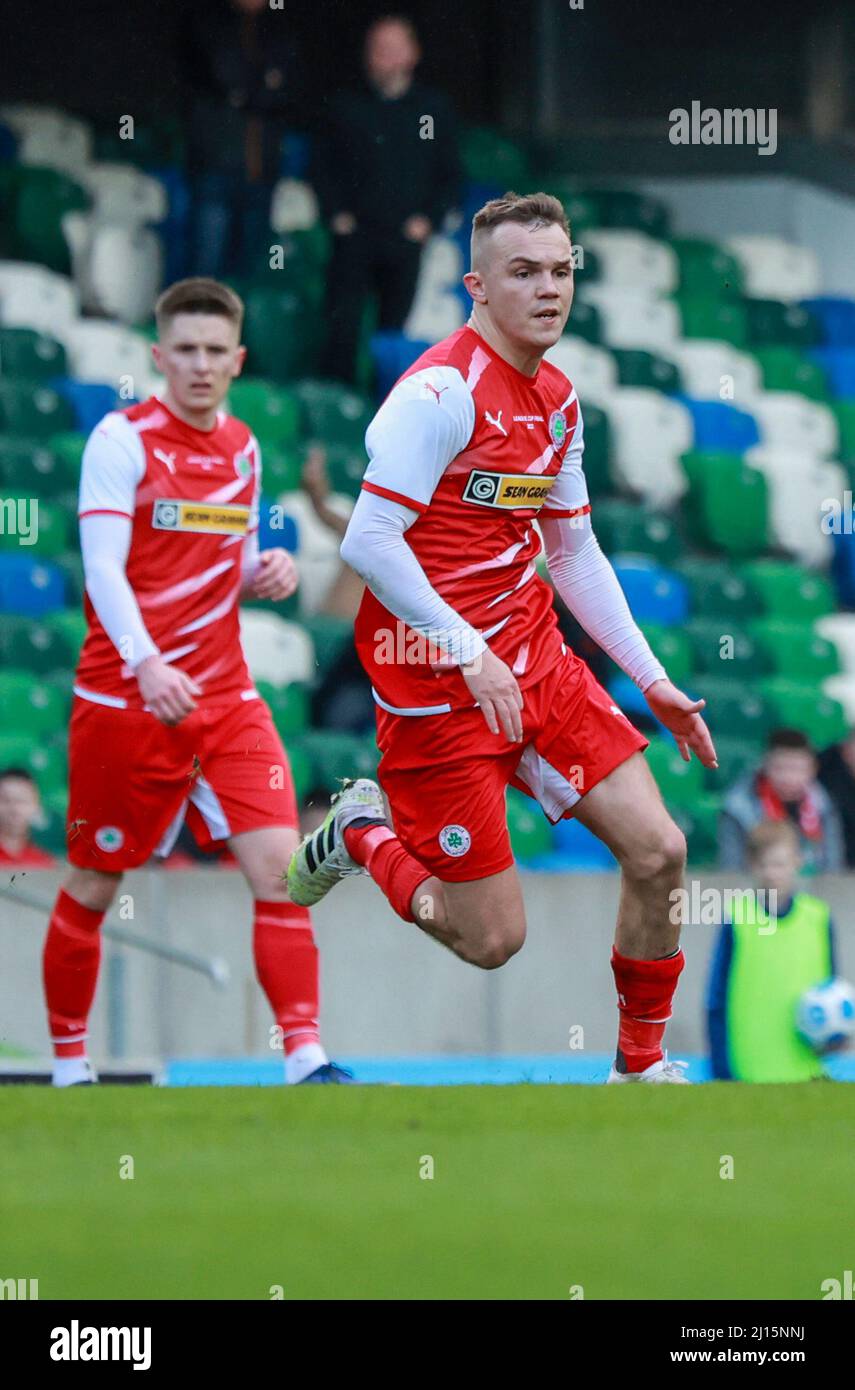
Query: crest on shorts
[
  {"x": 454, "y": 840},
  {"x": 109, "y": 838},
  {"x": 558, "y": 428}
]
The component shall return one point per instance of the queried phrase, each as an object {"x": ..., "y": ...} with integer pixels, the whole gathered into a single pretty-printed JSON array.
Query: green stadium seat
[
  {"x": 678, "y": 781},
  {"x": 345, "y": 469},
  {"x": 43, "y": 198},
  {"x": 281, "y": 468},
  {"x": 289, "y": 705},
  {"x": 788, "y": 592},
  {"x": 624, "y": 527},
  {"x": 797, "y": 705},
  {"x": 50, "y": 519},
  {"x": 28, "y": 707},
  {"x": 46, "y": 761},
  {"x": 68, "y": 447},
  {"x": 334, "y": 415},
  {"x": 581, "y": 208},
  {"x": 698, "y": 821},
  {"x": 621, "y": 207},
  {"x": 727, "y": 506},
  {"x": 638, "y": 368},
  {"x": 488, "y": 157},
  {"x": 736, "y": 756},
  {"x": 330, "y": 635},
  {"x": 528, "y": 827},
  {"x": 673, "y": 648},
  {"x": 24, "y": 353},
  {"x": 597, "y": 451},
  {"x": 334, "y": 755},
  {"x": 725, "y": 649},
  {"x": 735, "y": 708},
  {"x": 721, "y": 319},
  {"x": 33, "y": 411},
  {"x": 776, "y": 324},
  {"x": 795, "y": 650},
  {"x": 302, "y": 770},
  {"x": 44, "y": 645},
  {"x": 787, "y": 369},
  {"x": 585, "y": 322},
  {"x": 706, "y": 269},
  {"x": 30, "y": 466},
  {"x": 717, "y": 589},
  {"x": 281, "y": 333},
  {"x": 272, "y": 412}
]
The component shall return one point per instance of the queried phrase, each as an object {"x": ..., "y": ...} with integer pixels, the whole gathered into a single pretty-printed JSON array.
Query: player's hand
[
  {"x": 343, "y": 223},
  {"x": 276, "y": 577},
  {"x": 682, "y": 716},
  {"x": 417, "y": 228},
  {"x": 165, "y": 690},
  {"x": 494, "y": 686}
]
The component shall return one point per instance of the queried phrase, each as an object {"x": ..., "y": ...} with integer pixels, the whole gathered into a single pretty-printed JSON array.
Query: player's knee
[
  {"x": 495, "y": 949},
  {"x": 92, "y": 889},
  {"x": 662, "y": 856}
]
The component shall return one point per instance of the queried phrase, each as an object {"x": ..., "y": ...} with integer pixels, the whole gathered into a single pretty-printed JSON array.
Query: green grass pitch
[{"x": 536, "y": 1190}]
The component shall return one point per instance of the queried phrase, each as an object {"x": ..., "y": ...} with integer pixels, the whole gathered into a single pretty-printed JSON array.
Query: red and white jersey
[
  {"x": 479, "y": 450},
  {"x": 192, "y": 497}
]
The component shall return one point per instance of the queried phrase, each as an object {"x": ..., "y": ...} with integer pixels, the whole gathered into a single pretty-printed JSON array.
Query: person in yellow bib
[{"x": 777, "y": 943}]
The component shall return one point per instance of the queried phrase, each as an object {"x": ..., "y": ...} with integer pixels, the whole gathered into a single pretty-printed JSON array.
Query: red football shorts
[
  {"x": 446, "y": 775},
  {"x": 132, "y": 780}
]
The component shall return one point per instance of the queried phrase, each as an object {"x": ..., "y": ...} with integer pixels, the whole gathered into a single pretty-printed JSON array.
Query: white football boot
[{"x": 657, "y": 1073}]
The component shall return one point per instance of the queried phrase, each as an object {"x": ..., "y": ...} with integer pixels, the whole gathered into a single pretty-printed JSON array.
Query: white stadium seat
[
  {"x": 65, "y": 145},
  {"x": 26, "y": 116},
  {"x": 706, "y": 365},
  {"x": 632, "y": 319},
  {"x": 276, "y": 650},
  {"x": 441, "y": 265},
  {"x": 842, "y": 689},
  {"x": 788, "y": 420},
  {"x": 106, "y": 352},
  {"x": 839, "y": 628},
  {"x": 31, "y": 296},
  {"x": 124, "y": 195},
  {"x": 294, "y": 206},
  {"x": 433, "y": 317},
  {"x": 776, "y": 269},
  {"x": 796, "y": 497},
  {"x": 316, "y": 540},
  {"x": 125, "y": 272},
  {"x": 634, "y": 260},
  {"x": 591, "y": 369},
  {"x": 649, "y": 433}
]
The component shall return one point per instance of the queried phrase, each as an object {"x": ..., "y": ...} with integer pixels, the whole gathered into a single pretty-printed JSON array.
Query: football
[{"x": 825, "y": 1016}]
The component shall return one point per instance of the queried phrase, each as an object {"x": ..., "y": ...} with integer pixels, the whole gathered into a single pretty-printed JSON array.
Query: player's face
[
  {"x": 200, "y": 355},
  {"x": 527, "y": 276}
]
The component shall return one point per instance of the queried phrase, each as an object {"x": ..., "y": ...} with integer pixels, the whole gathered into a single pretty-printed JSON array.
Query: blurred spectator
[
  {"x": 837, "y": 775},
  {"x": 20, "y": 810},
  {"x": 772, "y": 950},
  {"x": 783, "y": 789},
  {"x": 244, "y": 77},
  {"x": 386, "y": 174},
  {"x": 344, "y": 594}
]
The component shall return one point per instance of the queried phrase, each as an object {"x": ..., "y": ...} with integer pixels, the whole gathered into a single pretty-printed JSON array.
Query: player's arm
[
  {"x": 264, "y": 573},
  {"x": 410, "y": 443},
  {"x": 591, "y": 590},
  {"x": 111, "y": 469}
]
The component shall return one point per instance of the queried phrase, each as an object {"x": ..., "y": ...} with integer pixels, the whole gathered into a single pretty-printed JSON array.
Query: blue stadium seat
[
  {"x": 721, "y": 427},
  {"x": 29, "y": 586},
  {"x": 173, "y": 228},
  {"x": 838, "y": 363},
  {"x": 627, "y": 694},
  {"x": 272, "y": 537},
  {"x": 843, "y": 569},
  {"x": 8, "y": 144},
  {"x": 575, "y": 847},
  {"x": 90, "y": 401},
  {"x": 392, "y": 354},
  {"x": 836, "y": 315},
  {"x": 655, "y": 595}
]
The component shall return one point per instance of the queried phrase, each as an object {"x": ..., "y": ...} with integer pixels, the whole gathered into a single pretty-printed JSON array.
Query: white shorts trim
[
  {"x": 555, "y": 794},
  {"x": 114, "y": 701},
  {"x": 423, "y": 709},
  {"x": 205, "y": 799}
]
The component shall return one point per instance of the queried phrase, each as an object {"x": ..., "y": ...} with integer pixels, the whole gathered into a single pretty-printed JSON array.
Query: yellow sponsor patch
[
  {"x": 511, "y": 490},
  {"x": 211, "y": 518}
]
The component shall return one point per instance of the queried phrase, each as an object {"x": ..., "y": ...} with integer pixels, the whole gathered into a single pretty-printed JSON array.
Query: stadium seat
[
  {"x": 289, "y": 705},
  {"x": 788, "y": 369},
  {"x": 575, "y": 849},
  {"x": 527, "y": 826},
  {"x": 591, "y": 369},
  {"x": 715, "y": 371},
  {"x": 721, "y": 319},
  {"x": 91, "y": 401},
  {"x": 622, "y": 207},
  {"x": 720, "y": 427},
  {"x": 294, "y": 206},
  {"x": 31, "y": 296},
  {"x": 585, "y": 321},
  {"x": 122, "y": 271},
  {"x": 627, "y": 695},
  {"x": 317, "y": 540},
  {"x": 634, "y": 260},
  {"x": 489, "y": 158},
  {"x": 790, "y": 421},
  {"x": 698, "y": 821},
  {"x": 728, "y": 504},
  {"x": 434, "y": 315},
  {"x": 655, "y": 595},
  {"x": 629, "y": 318},
  {"x": 649, "y": 432},
  {"x": 598, "y": 447},
  {"x": 735, "y": 756},
  {"x": 838, "y": 367},
  {"x": 345, "y": 470},
  {"x": 28, "y": 585},
  {"x": 839, "y": 630},
  {"x": 334, "y": 755},
  {"x": 706, "y": 269},
  {"x": 32, "y": 466},
  {"x": 276, "y": 651},
  {"x": 67, "y": 448},
  {"x": 54, "y": 141},
  {"x": 844, "y": 414},
  {"x": 716, "y": 589},
  {"x": 795, "y": 650},
  {"x": 673, "y": 648},
  {"x": 772, "y": 322},
  {"x": 785, "y": 591},
  {"x": 775, "y": 269},
  {"x": 282, "y": 339},
  {"x": 334, "y": 414},
  {"x": 44, "y": 645},
  {"x": 277, "y": 529},
  {"x": 647, "y": 370},
  {"x": 44, "y": 197},
  {"x": 70, "y": 564},
  {"x": 46, "y": 762},
  {"x": 799, "y": 490},
  {"x": 679, "y": 782},
  {"x": 799, "y": 705},
  {"x": 123, "y": 195},
  {"x": 624, "y": 528},
  {"x": 281, "y": 466},
  {"x": 34, "y": 411},
  {"x": 392, "y": 353},
  {"x": 101, "y": 353},
  {"x": 725, "y": 650},
  {"x": 835, "y": 315},
  {"x": 273, "y": 413},
  {"x": 841, "y": 689},
  {"x": 735, "y": 708},
  {"x": 31, "y": 709},
  {"x": 26, "y": 353}
]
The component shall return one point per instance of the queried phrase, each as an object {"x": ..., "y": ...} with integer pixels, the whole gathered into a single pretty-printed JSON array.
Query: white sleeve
[
  {"x": 425, "y": 421},
  {"x": 569, "y": 494},
  {"x": 590, "y": 588},
  {"x": 249, "y": 555},
  {"x": 375, "y": 547},
  {"x": 105, "y": 540},
  {"x": 113, "y": 465}
]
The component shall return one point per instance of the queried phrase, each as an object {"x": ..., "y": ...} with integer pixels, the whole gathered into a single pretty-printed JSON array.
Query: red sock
[
  {"x": 645, "y": 991},
  {"x": 286, "y": 962},
  {"x": 394, "y": 871},
  {"x": 70, "y": 960}
]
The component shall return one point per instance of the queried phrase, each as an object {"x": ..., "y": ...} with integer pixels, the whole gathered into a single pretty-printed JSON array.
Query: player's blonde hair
[
  {"x": 530, "y": 209},
  {"x": 198, "y": 296}
]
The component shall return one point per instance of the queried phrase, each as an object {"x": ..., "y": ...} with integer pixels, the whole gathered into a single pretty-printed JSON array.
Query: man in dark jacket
[
  {"x": 837, "y": 775},
  {"x": 386, "y": 174}
]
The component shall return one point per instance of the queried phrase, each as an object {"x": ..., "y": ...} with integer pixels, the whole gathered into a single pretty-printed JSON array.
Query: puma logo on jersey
[
  {"x": 430, "y": 387},
  {"x": 497, "y": 421},
  {"x": 168, "y": 459}
]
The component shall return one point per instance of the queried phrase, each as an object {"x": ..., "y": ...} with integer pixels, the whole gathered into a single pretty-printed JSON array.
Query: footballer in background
[
  {"x": 476, "y": 441},
  {"x": 166, "y": 723}
]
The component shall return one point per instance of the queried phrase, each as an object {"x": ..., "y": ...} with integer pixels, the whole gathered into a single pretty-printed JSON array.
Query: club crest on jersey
[
  {"x": 243, "y": 466},
  {"x": 454, "y": 840},
  {"x": 511, "y": 490},
  {"x": 558, "y": 428},
  {"x": 206, "y": 517}
]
